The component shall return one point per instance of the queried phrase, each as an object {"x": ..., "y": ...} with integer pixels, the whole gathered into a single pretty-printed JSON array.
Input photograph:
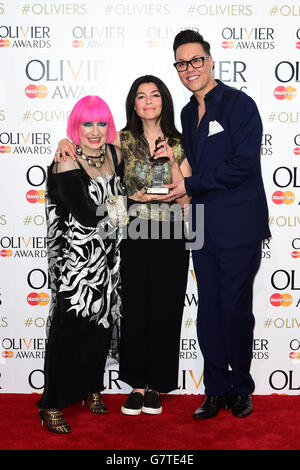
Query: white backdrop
[{"x": 53, "y": 53}]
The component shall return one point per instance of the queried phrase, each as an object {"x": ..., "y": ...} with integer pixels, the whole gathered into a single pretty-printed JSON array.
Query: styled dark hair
[
  {"x": 134, "y": 122},
  {"x": 190, "y": 35}
]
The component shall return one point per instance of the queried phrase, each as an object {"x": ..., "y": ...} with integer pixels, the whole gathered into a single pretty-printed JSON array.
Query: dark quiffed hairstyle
[
  {"x": 189, "y": 35},
  {"x": 134, "y": 123}
]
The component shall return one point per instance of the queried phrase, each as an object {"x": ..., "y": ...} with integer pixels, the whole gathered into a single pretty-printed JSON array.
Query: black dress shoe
[
  {"x": 241, "y": 405},
  {"x": 210, "y": 407}
]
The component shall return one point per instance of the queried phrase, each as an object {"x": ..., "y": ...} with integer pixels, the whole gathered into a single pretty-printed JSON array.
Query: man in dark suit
[{"x": 222, "y": 133}]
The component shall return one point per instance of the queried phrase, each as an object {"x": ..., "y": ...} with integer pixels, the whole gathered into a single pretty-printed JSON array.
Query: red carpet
[{"x": 274, "y": 425}]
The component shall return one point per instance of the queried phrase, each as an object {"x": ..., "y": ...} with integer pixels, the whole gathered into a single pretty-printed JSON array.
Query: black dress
[
  {"x": 154, "y": 272},
  {"x": 85, "y": 283}
]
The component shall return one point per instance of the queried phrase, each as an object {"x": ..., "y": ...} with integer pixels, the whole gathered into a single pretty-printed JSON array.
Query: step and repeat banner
[{"x": 55, "y": 52}]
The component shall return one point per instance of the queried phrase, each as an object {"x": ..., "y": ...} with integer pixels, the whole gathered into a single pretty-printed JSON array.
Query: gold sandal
[
  {"x": 55, "y": 421},
  {"x": 96, "y": 403}
]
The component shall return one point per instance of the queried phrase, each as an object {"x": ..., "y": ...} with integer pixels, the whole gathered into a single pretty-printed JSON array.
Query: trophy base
[{"x": 158, "y": 190}]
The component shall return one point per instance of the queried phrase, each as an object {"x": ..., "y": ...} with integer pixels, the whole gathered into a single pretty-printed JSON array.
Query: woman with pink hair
[{"x": 83, "y": 264}]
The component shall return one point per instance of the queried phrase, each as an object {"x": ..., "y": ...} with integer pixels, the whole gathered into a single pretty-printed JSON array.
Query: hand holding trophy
[{"x": 158, "y": 171}]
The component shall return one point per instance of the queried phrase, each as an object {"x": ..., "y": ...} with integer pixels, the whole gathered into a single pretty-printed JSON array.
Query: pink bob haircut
[{"x": 91, "y": 108}]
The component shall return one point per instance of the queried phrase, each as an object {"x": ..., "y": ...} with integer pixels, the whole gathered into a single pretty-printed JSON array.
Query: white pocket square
[{"x": 214, "y": 128}]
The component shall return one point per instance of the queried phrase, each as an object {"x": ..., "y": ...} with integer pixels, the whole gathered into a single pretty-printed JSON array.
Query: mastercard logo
[
  {"x": 34, "y": 196},
  {"x": 38, "y": 299},
  {"x": 5, "y": 149},
  {"x": 283, "y": 300},
  {"x": 227, "y": 44},
  {"x": 294, "y": 355},
  {"x": 6, "y": 253},
  {"x": 4, "y": 43},
  {"x": 36, "y": 91},
  {"x": 7, "y": 354},
  {"x": 297, "y": 150},
  {"x": 152, "y": 44},
  {"x": 298, "y": 45},
  {"x": 77, "y": 43},
  {"x": 285, "y": 92},
  {"x": 295, "y": 254},
  {"x": 286, "y": 197}
]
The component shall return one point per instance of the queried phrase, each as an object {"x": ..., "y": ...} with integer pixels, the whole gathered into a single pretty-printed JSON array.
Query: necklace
[{"x": 89, "y": 158}]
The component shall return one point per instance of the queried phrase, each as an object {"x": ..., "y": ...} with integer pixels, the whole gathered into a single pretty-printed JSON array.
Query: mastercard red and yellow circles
[
  {"x": 40, "y": 298},
  {"x": 77, "y": 43},
  {"x": 6, "y": 253},
  {"x": 4, "y": 43},
  {"x": 36, "y": 91},
  {"x": 5, "y": 149},
  {"x": 294, "y": 355},
  {"x": 296, "y": 254},
  {"x": 281, "y": 300},
  {"x": 227, "y": 44},
  {"x": 297, "y": 150},
  {"x": 34, "y": 196},
  {"x": 7, "y": 354},
  {"x": 152, "y": 44},
  {"x": 283, "y": 197},
  {"x": 285, "y": 92}
]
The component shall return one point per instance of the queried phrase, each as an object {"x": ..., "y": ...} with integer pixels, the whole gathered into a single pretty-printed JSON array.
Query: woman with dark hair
[
  {"x": 166, "y": 118},
  {"x": 154, "y": 266},
  {"x": 83, "y": 264}
]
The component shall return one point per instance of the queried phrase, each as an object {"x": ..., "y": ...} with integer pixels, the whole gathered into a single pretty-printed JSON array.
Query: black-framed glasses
[{"x": 196, "y": 63}]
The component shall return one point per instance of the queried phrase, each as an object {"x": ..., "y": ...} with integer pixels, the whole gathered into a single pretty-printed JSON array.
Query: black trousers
[
  {"x": 225, "y": 320},
  {"x": 154, "y": 278}
]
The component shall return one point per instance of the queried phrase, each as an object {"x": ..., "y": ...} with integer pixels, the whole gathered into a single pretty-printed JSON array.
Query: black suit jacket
[{"x": 224, "y": 154}]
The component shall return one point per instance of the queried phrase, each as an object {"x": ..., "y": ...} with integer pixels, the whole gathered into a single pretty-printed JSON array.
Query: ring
[{"x": 165, "y": 147}]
